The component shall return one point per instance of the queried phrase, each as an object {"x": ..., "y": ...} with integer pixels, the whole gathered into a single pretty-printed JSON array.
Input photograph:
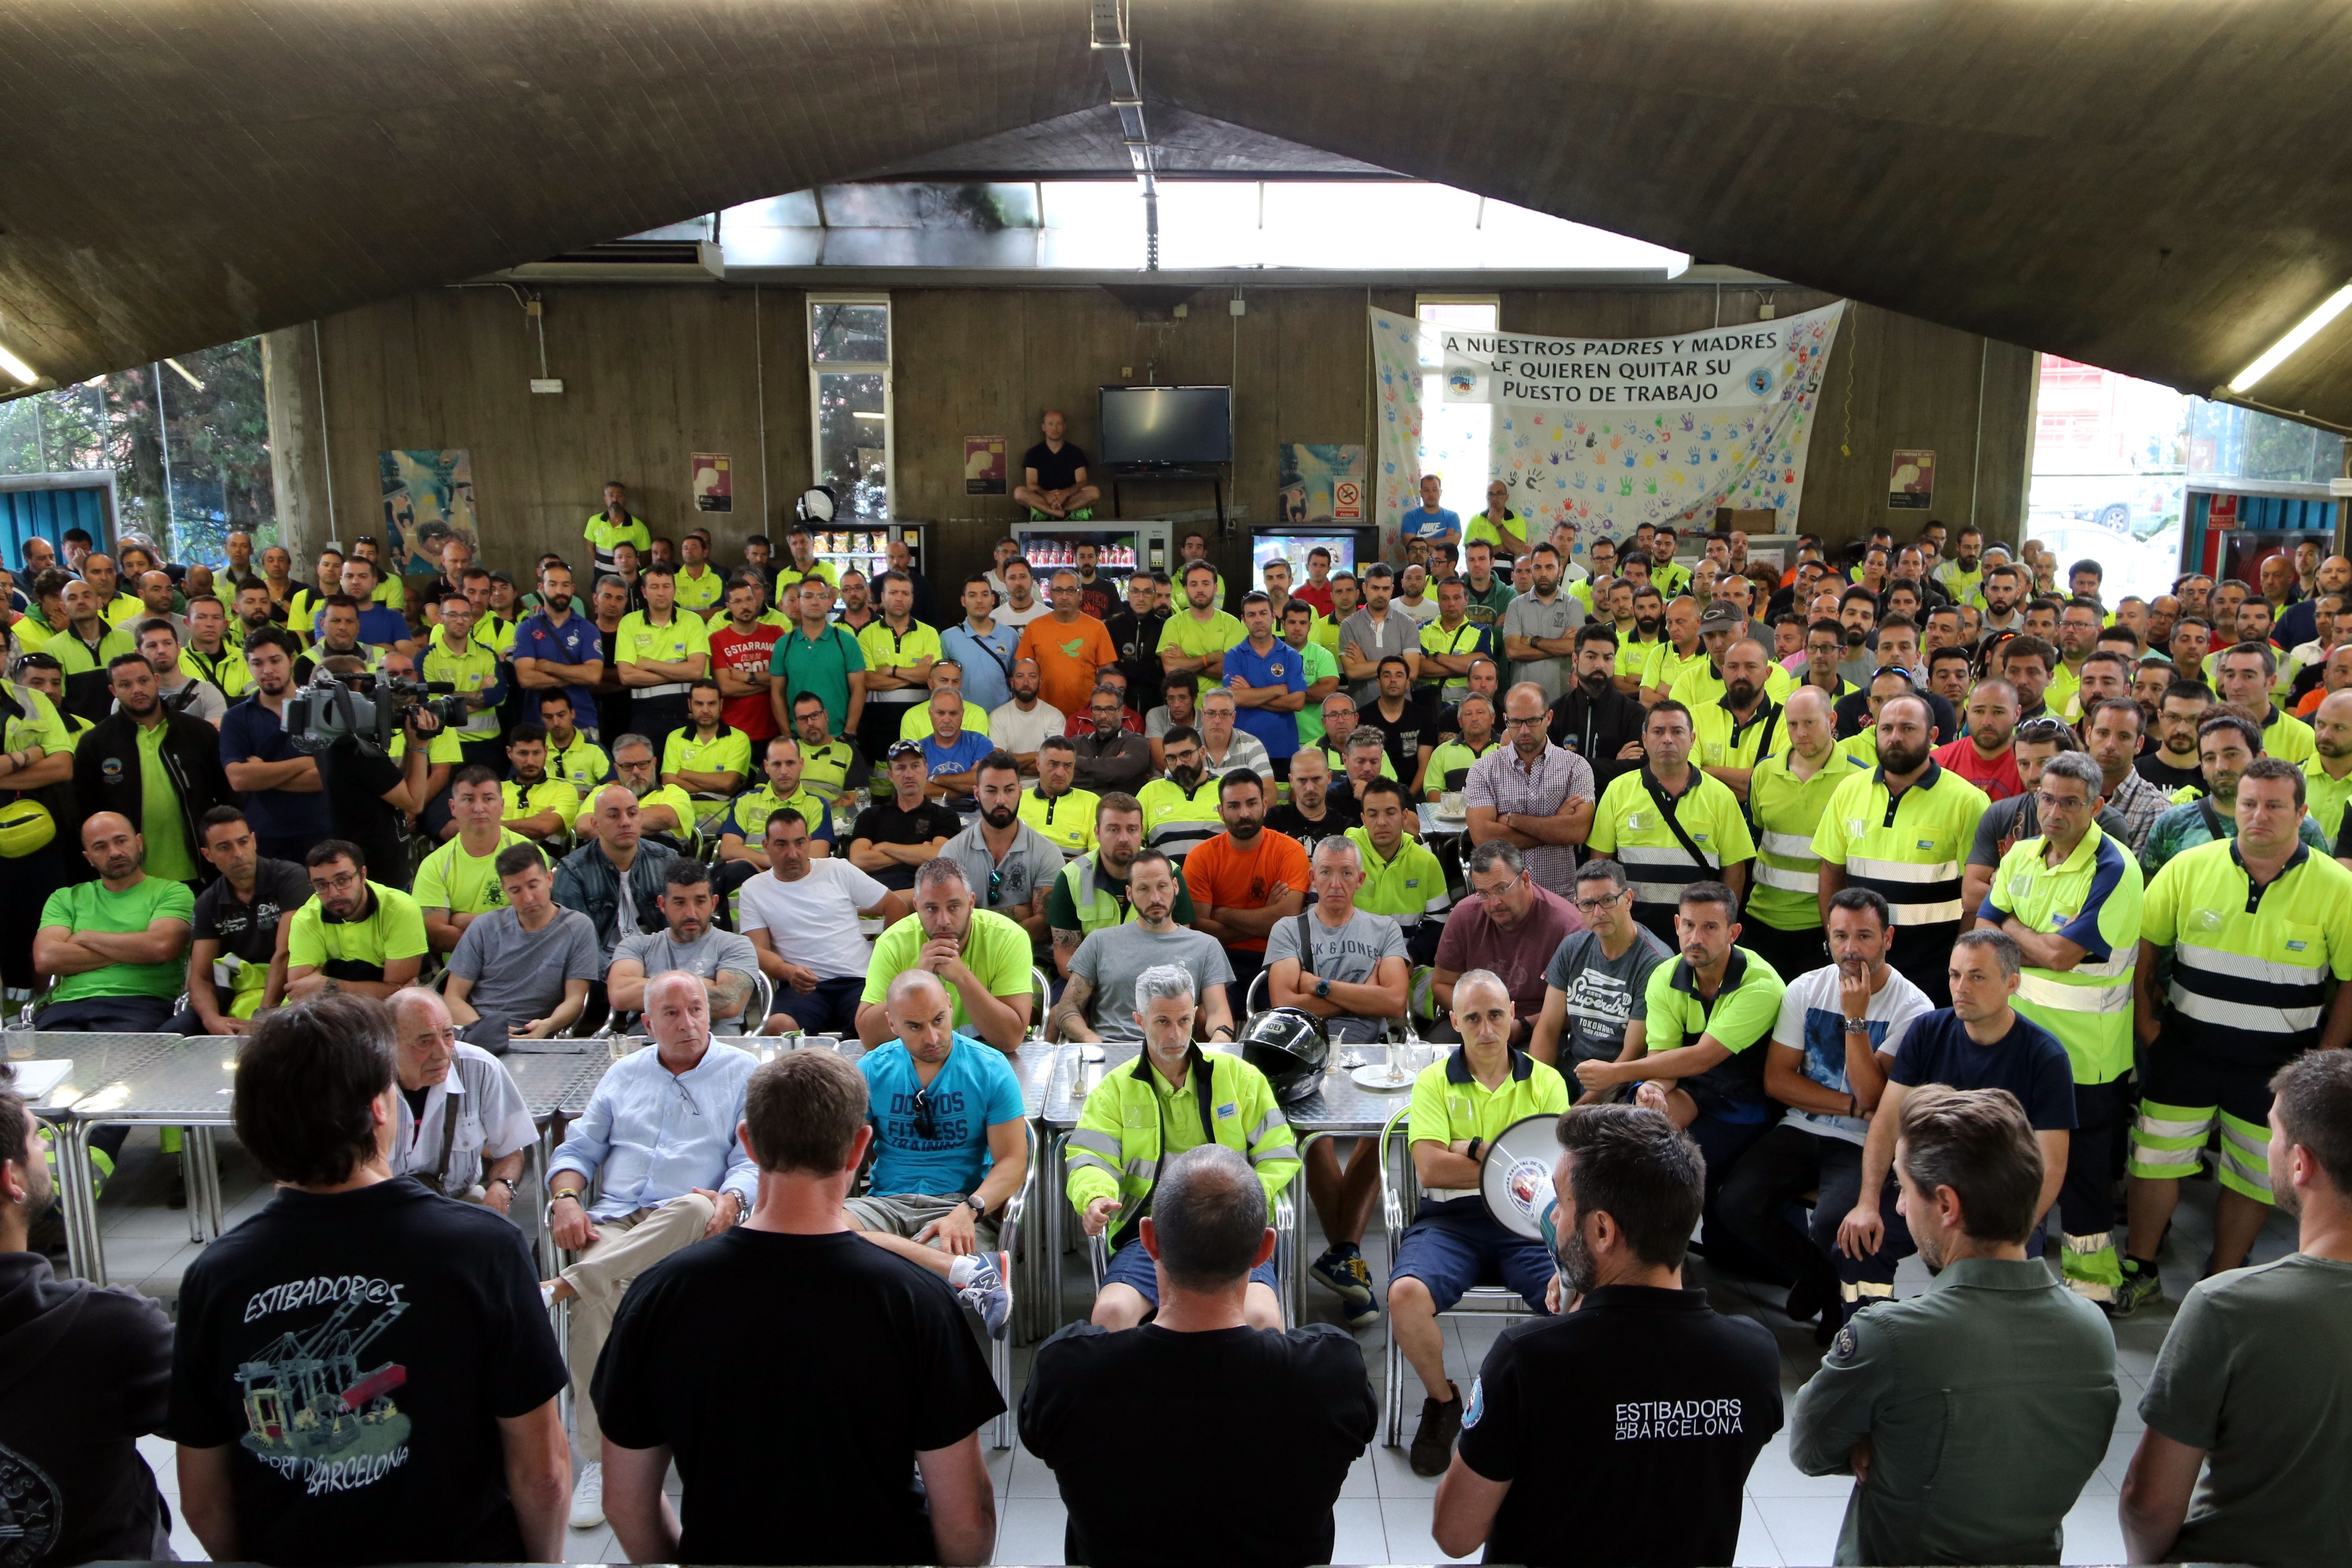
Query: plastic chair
[{"x": 1399, "y": 1201}]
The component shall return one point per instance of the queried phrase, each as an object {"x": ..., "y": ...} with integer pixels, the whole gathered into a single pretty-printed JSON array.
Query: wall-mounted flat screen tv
[{"x": 1167, "y": 424}]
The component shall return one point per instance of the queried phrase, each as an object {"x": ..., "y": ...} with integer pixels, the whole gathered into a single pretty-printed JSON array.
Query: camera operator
[{"x": 369, "y": 793}]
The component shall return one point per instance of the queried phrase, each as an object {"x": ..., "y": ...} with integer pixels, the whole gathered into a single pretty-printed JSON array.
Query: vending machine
[
  {"x": 1122, "y": 548},
  {"x": 865, "y": 549}
]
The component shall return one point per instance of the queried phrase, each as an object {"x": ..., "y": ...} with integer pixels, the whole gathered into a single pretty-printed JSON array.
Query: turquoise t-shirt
[{"x": 975, "y": 1089}]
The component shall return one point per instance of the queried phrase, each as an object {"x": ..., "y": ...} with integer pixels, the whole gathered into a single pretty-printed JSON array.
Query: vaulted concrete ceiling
[{"x": 2156, "y": 187}]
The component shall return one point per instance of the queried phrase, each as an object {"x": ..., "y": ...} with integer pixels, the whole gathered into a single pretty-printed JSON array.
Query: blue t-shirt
[
  {"x": 1422, "y": 524},
  {"x": 975, "y": 1090},
  {"x": 984, "y": 683},
  {"x": 383, "y": 628},
  {"x": 248, "y": 731},
  {"x": 2029, "y": 1062},
  {"x": 961, "y": 757},
  {"x": 1282, "y": 665},
  {"x": 576, "y": 642}
]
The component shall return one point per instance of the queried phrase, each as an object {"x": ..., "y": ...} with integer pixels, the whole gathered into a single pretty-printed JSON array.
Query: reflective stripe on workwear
[
  {"x": 2092, "y": 897},
  {"x": 1906, "y": 848},
  {"x": 1786, "y": 810}
]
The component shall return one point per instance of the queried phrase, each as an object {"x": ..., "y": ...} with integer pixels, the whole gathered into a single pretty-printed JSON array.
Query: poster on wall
[
  {"x": 1320, "y": 482},
  {"x": 1911, "y": 481},
  {"x": 983, "y": 465},
  {"x": 421, "y": 488},
  {"x": 1611, "y": 433},
  {"x": 713, "y": 482}
]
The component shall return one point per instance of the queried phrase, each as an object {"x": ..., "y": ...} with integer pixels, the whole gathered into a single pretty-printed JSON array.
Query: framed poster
[
  {"x": 713, "y": 482},
  {"x": 1319, "y": 483},
  {"x": 983, "y": 465},
  {"x": 422, "y": 488},
  {"x": 1911, "y": 481}
]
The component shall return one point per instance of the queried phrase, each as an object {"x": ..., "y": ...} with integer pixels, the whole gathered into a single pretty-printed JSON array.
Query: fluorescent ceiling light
[
  {"x": 861, "y": 413},
  {"x": 14, "y": 366},
  {"x": 2302, "y": 333}
]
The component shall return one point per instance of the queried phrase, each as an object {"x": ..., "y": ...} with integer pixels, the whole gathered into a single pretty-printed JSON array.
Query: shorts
[
  {"x": 1455, "y": 1247},
  {"x": 1132, "y": 1266},
  {"x": 830, "y": 1009},
  {"x": 2183, "y": 1093},
  {"x": 906, "y": 1214}
]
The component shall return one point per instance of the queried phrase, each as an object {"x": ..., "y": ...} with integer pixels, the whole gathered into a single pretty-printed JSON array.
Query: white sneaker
[{"x": 588, "y": 1497}]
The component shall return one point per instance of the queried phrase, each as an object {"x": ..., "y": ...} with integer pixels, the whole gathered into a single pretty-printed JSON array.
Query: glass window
[
  {"x": 1454, "y": 435},
  {"x": 849, "y": 402}
]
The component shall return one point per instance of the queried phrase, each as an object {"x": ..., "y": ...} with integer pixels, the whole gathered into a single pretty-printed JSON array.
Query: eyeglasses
[
  {"x": 1536, "y": 723},
  {"x": 2053, "y": 803},
  {"x": 342, "y": 884},
  {"x": 1594, "y": 905}
]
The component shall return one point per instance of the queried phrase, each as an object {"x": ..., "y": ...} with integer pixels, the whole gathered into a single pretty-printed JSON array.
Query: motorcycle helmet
[
  {"x": 1290, "y": 1047},
  {"x": 818, "y": 505},
  {"x": 26, "y": 825}
]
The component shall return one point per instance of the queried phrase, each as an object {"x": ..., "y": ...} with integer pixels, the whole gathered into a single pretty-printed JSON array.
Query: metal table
[
  {"x": 188, "y": 1083},
  {"x": 101, "y": 1063},
  {"x": 1434, "y": 827}
]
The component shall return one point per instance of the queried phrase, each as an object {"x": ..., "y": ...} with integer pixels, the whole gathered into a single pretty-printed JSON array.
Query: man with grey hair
[
  {"x": 949, "y": 1148},
  {"x": 1171, "y": 1097},
  {"x": 457, "y": 1107},
  {"x": 1978, "y": 1042},
  {"x": 1208, "y": 1366},
  {"x": 1224, "y": 747},
  {"x": 1596, "y": 987}
]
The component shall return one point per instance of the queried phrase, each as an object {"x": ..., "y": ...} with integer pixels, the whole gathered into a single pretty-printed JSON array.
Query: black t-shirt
[
  {"x": 1403, "y": 736},
  {"x": 1853, "y": 715},
  {"x": 886, "y": 823},
  {"x": 1340, "y": 814},
  {"x": 1628, "y": 1428},
  {"x": 2151, "y": 766},
  {"x": 1189, "y": 1394},
  {"x": 251, "y": 931},
  {"x": 72, "y": 1485},
  {"x": 359, "y": 1351},
  {"x": 1137, "y": 638},
  {"x": 2029, "y": 1062},
  {"x": 794, "y": 1378},
  {"x": 355, "y": 784},
  {"x": 1056, "y": 470}
]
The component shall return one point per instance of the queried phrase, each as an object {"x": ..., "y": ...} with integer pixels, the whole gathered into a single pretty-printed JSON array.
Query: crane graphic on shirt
[{"x": 312, "y": 1414}]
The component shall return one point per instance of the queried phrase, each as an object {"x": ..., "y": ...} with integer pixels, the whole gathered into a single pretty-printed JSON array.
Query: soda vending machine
[{"x": 1121, "y": 548}]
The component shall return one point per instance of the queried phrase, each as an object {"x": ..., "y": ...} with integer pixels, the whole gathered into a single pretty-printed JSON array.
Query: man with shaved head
[
  {"x": 115, "y": 945},
  {"x": 1053, "y": 483},
  {"x": 616, "y": 878}
]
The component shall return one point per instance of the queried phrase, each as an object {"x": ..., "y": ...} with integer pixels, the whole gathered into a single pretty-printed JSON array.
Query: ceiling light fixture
[
  {"x": 12, "y": 365},
  {"x": 2301, "y": 333}
]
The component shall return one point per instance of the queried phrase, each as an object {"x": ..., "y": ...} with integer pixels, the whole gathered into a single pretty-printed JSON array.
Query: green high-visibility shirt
[{"x": 2092, "y": 899}]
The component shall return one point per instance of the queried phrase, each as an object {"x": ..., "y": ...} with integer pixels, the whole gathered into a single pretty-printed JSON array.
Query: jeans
[{"x": 1724, "y": 1144}]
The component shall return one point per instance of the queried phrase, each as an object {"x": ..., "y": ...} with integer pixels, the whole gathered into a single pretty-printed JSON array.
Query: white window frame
[
  {"x": 817, "y": 367},
  {"x": 1433, "y": 401}
]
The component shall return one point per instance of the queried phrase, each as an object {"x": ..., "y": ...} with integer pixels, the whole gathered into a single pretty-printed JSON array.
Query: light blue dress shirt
[
  {"x": 985, "y": 685},
  {"x": 658, "y": 1135}
]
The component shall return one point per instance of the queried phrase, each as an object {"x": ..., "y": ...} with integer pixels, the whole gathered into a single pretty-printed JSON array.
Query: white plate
[
  {"x": 1440, "y": 817},
  {"x": 1382, "y": 1076},
  {"x": 34, "y": 1079}
]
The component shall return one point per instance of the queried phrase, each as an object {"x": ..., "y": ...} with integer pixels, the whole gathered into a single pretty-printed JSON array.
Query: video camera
[{"x": 367, "y": 710}]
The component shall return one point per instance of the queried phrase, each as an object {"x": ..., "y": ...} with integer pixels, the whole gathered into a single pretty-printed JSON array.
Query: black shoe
[
  {"x": 1432, "y": 1444},
  {"x": 1805, "y": 1302}
]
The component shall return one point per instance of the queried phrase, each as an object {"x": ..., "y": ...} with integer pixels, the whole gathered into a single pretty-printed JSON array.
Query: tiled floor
[{"x": 1383, "y": 1512}]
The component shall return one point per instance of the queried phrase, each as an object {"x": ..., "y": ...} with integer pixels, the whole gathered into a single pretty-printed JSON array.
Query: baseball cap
[{"x": 1721, "y": 616}]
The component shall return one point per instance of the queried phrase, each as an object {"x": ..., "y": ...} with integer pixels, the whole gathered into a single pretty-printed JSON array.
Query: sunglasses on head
[{"x": 2043, "y": 729}]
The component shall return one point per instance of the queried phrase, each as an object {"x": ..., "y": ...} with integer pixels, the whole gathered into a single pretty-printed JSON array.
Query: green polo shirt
[
  {"x": 1321, "y": 664},
  {"x": 602, "y": 535},
  {"x": 1739, "y": 1019},
  {"x": 1699, "y": 687},
  {"x": 581, "y": 765},
  {"x": 825, "y": 770},
  {"x": 394, "y": 930},
  {"x": 916, "y": 724},
  {"x": 748, "y": 813},
  {"x": 474, "y": 668},
  {"x": 1720, "y": 741},
  {"x": 1201, "y": 640},
  {"x": 1449, "y": 1104},
  {"x": 89, "y": 905},
  {"x": 1629, "y": 826},
  {"x": 995, "y": 950},
  {"x": 547, "y": 794},
  {"x": 1068, "y": 820},
  {"x": 2250, "y": 968},
  {"x": 700, "y": 594},
  {"x": 75, "y": 657},
  {"x": 449, "y": 879},
  {"x": 2286, "y": 736},
  {"x": 882, "y": 649},
  {"x": 2092, "y": 899},
  {"x": 728, "y": 751},
  {"x": 1468, "y": 637},
  {"x": 36, "y": 723},
  {"x": 1664, "y": 666},
  {"x": 1450, "y": 765},
  {"x": 821, "y": 665},
  {"x": 1910, "y": 851},
  {"x": 1784, "y": 891},
  {"x": 682, "y": 803},
  {"x": 160, "y": 819},
  {"x": 2325, "y": 796},
  {"x": 1406, "y": 888}
]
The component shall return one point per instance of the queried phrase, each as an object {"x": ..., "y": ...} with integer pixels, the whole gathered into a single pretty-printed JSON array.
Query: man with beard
[
  {"x": 522, "y": 971},
  {"x": 1180, "y": 809},
  {"x": 1536, "y": 796},
  {"x": 1453, "y": 1244},
  {"x": 235, "y": 931},
  {"x": 1994, "y": 1337},
  {"x": 1986, "y": 756},
  {"x": 1106, "y": 966},
  {"x": 983, "y": 959},
  {"x": 1962, "y": 577},
  {"x": 1538, "y": 628},
  {"x": 1091, "y": 892},
  {"x": 1637, "y": 645},
  {"x": 1787, "y": 793},
  {"x": 690, "y": 941},
  {"x": 1742, "y": 725},
  {"x": 1112, "y": 756},
  {"x": 2002, "y": 587},
  {"x": 2299, "y": 623},
  {"x": 1857, "y": 621},
  {"x": 1135, "y": 633},
  {"x": 1669, "y": 824},
  {"x": 1485, "y": 594},
  {"x": 281, "y": 786},
  {"x": 2327, "y": 776},
  {"x": 159, "y": 769},
  {"x": 2078, "y": 634},
  {"x": 2227, "y": 745},
  {"x": 86, "y": 646},
  {"x": 556, "y": 650},
  {"x": 1243, "y": 881},
  {"x": 1004, "y": 854},
  {"x": 1680, "y": 652},
  {"x": 1317, "y": 810},
  {"x": 1904, "y": 830},
  {"x": 860, "y": 603},
  {"x": 355, "y": 935}
]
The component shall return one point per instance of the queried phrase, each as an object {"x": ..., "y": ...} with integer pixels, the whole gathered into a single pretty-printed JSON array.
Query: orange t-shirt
[
  {"x": 1219, "y": 871},
  {"x": 1067, "y": 658}
]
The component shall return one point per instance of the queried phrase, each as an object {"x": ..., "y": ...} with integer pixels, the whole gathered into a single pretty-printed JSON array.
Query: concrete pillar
[{"x": 297, "y": 442}]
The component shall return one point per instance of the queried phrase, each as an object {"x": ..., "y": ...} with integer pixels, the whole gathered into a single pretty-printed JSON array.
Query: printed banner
[{"x": 1606, "y": 433}]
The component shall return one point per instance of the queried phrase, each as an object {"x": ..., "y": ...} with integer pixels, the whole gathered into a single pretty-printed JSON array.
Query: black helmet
[{"x": 1288, "y": 1046}]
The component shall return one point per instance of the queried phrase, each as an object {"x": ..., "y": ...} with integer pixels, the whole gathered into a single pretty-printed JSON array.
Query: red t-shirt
[
  {"x": 1518, "y": 955},
  {"x": 1219, "y": 871},
  {"x": 1316, "y": 594},
  {"x": 1996, "y": 778},
  {"x": 747, "y": 654}
]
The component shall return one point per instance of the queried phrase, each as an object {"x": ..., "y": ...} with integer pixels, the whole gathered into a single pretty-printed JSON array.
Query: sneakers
[
  {"x": 1343, "y": 1271},
  {"x": 988, "y": 1294},
  {"x": 1432, "y": 1444},
  {"x": 588, "y": 1497},
  {"x": 2140, "y": 1286}
]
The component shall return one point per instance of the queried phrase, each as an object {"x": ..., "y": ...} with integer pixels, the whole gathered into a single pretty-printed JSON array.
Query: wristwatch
[
  {"x": 505, "y": 1182},
  {"x": 1857, "y": 1025},
  {"x": 1323, "y": 989},
  {"x": 977, "y": 1205}
]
